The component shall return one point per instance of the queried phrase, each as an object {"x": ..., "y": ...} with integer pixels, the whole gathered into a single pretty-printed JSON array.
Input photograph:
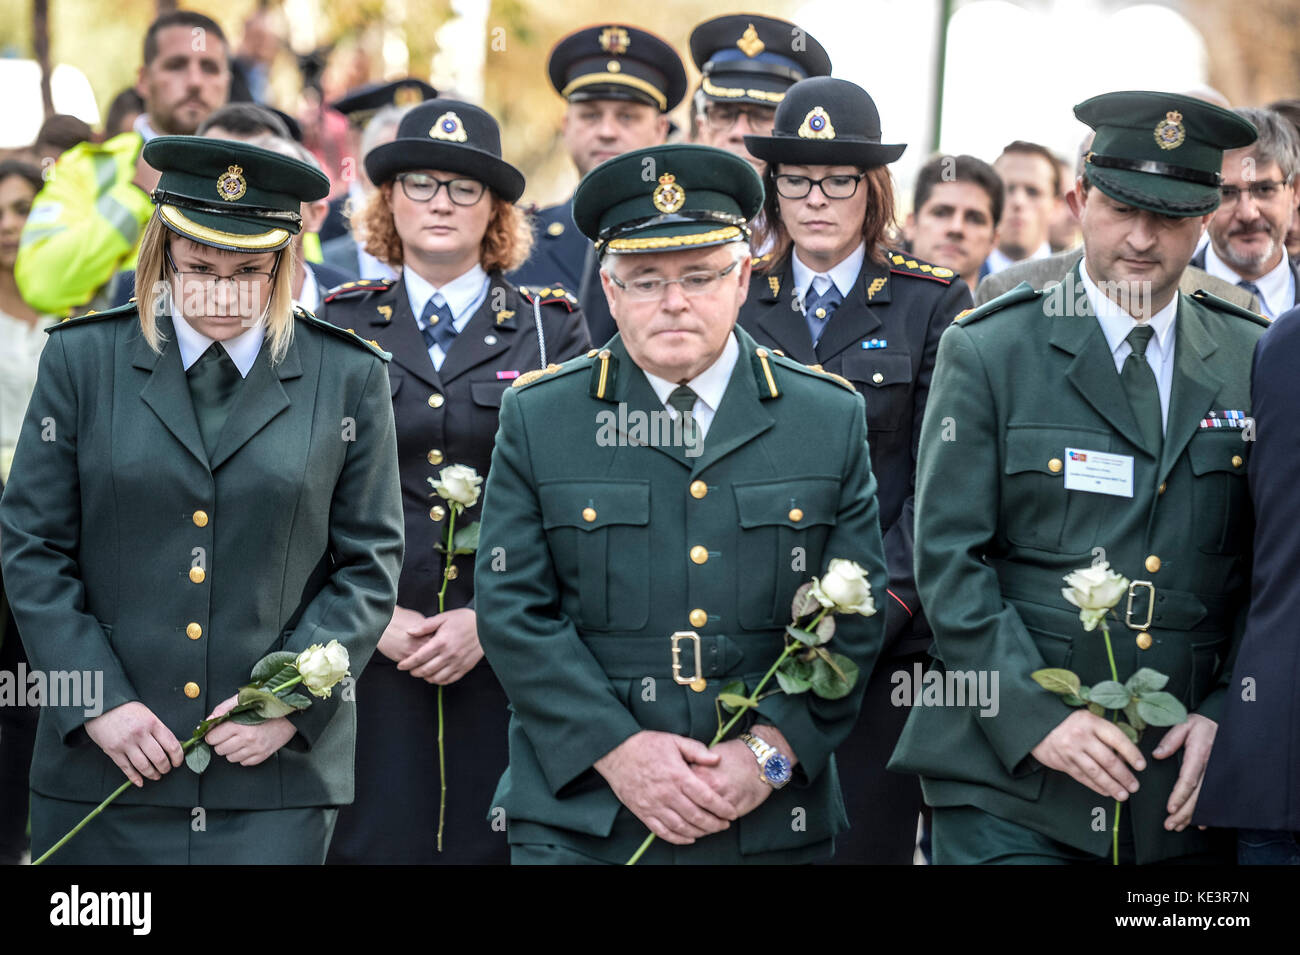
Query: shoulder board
[
  {"x": 120, "y": 311},
  {"x": 906, "y": 265},
  {"x": 758, "y": 260},
  {"x": 812, "y": 371},
  {"x": 369, "y": 344},
  {"x": 551, "y": 372},
  {"x": 1223, "y": 305},
  {"x": 359, "y": 288},
  {"x": 1024, "y": 292},
  {"x": 551, "y": 295}
]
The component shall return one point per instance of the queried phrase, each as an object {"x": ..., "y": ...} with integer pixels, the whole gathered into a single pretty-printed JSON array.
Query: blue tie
[
  {"x": 438, "y": 328},
  {"x": 817, "y": 311},
  {"x": 1253, "y": 289}
]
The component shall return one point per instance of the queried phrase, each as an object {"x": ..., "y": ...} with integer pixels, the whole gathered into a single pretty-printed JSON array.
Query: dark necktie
[
  {"x": 214, "y": 382},
  {"x": 1253, "y": 289},
  {"x": 817, "y": 311},
  {"x": 682, "y": 400},
  {"x": 1140, "y": 385},
  {"x": 438, "y": 327}
]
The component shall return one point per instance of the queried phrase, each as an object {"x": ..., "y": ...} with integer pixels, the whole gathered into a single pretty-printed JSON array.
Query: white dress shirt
[
  {"x": 844, "y": 275},
  {"x": 998, "y": 260},
  {"x": 242, "y": 349},
  {"x": 709, "y": 386},
  {"x": 1117, "y": 323},
  {"x": 310, "y": 296},
  {"x": 20, "y": 355},
  {"x": 1276, "y": 287},
  {"x": 463, "y": 295}
]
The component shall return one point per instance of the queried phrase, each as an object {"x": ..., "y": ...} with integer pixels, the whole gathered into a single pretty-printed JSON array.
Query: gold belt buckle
[
  {"x": 1151, "y": 605},
  {"x": 696, "y": 682}
]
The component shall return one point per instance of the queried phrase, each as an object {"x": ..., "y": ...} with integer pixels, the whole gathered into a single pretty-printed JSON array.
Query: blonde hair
[
  {"x": 507, "y": 241},
  {"x": 154, "y": 296}
]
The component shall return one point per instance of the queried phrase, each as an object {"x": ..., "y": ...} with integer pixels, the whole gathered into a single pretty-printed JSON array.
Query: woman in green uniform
[{"x": 203, "y": 476}]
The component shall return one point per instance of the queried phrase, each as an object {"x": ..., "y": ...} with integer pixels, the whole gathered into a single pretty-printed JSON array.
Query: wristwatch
[{"x": 773, "y": 765}]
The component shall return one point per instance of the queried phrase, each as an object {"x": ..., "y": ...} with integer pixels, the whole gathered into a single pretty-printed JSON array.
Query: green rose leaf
[
  {"x": 1110, "y": 695},
  {"x": 465, "y": 540},
  {"x": 1161, "y": 709},
  {"x": 734, "y": 701},
  {"x": 271, "y": 664},
  {"x": 804, "y": 602},
  {"x": 280, "y": 678},
  {"x": 1146, "y": 680},
  {"x": 1071, "y": 700},
  {"x": 825, "y": 629},
  {"x": 833, "y": 679},
  {"x": 269, "y": 706},
  {"x": 1057, "y": 681},
  {"x": 198, "y": 758},
  {"x": 795, "y": 676},
  {"x": 1096, "y": 709},
  {"x": 1129, "y": 731},
  {"x": 798, "y": 633},
  {"x": 1134, "y": 717},
  {"x": 736, "y": 688},
  {"x": 248, "y": 718},
  {"x": 299, "y": 701}
]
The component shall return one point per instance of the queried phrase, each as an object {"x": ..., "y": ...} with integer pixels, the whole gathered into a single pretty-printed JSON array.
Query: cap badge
[
  {"x": 1170, "y": 132},
  {"x": 749, "y": 43},
  {"x": 448, "y": 126},
  {"x": 816, "y": 125},
  {"x": 614, "y": 40},
  {"x": 231, "y": 184},
  {"x": 668, "y": 196},
  {"x": 408, "y": 95}
]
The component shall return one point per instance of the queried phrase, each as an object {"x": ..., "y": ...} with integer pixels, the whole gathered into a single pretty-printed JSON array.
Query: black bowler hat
[
  {"x": 617, "y": 62},
  {"x": 229, "y": 194},
  {"x": 452, "y": 135},
  {"x": 825, "y": 121},
  {"x": 745, "y": 58},
  {"x": 360, "y": 104}
]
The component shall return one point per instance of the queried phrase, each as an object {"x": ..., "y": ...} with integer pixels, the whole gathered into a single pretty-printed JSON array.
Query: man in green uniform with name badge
[
  {"x": 1062, "y": 432},
  {"x": 608, "y": 539}
]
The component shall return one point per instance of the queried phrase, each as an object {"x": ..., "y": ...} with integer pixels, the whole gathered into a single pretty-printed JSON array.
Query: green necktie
[
  {"x": 214, "y": 382},
  {"x": 1140, "y": 385},
  {"x": 682, "y": 400}
]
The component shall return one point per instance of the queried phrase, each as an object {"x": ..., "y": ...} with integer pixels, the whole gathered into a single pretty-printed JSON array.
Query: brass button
[
  {"x": 435, "y": 456},
  {"x": 699, "y": 554},
  {"x": 194, "y": 631},
  {"x": 436, "y": 513},
  {"x": 1144, "y": 641},
  {"x": 760, "y": 352},
  {"x": 191, "y": 690},
  {"x": 1162, "y": 488},
  {"x": 796, "y": 515},
  {"x": 200, "y": 518},
  {"x": 698, "y": 617},
  {"x": 821, "y": 313},
  {"x": 197, "y": 574},
  {"x": 1236, "y": 461},
  {"x": 877, "y": 377},
  {"x": 1152, "y": 564},
  {"x": 588, "y": 514},
  {"x": 435, "y": 401},
  {"x": 452, "y": 572},
  {"x": 1055, "y": 465},
  {"x": 699, "y": 489}
]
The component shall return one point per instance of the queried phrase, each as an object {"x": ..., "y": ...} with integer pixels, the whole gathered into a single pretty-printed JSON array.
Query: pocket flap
[
  {"x": 1218, "y": 451},
  {"x": 1033, "y": 448},
  {"x": 799, "y": 503},
  {"x": 879, "y": 370},
  {"x": 488, "y": 393},
  {"x": 590, "y": 505}
]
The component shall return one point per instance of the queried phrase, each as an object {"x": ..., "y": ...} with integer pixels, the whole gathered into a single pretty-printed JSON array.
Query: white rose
[
  {"x": 458, "y": 484},
  {"x": 844, "y": 588},
  {"x": 1094, "y": 590},
  {"x": 322, "y": 667}
]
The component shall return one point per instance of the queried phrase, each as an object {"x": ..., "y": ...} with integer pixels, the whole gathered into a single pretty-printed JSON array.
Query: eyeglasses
[
  {"x": 244, "y": 278},
  {"x": 720, "y": 117},
  {"x": 420, "y": 187},
  {"x": 694, "y": 284},
  {"x": 1265, "y": 191},
  {"x": 832, "y": 187}
]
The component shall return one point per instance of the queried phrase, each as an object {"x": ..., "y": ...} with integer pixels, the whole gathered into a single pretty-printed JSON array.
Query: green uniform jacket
[
  {"x": 1017, "y": 383},
  {"x": 590, "y": 557},
  {"x": 296, "y": 524}
]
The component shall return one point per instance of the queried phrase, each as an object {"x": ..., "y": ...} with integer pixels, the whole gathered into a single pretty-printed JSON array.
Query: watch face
[{"x": 777, "y": 769}]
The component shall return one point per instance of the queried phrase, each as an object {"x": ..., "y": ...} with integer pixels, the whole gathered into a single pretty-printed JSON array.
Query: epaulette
[
  {"x": 812, "y": 371},
  {"x": 758, "y": 260},
  {"x": 552, "y": 295},
  {"x": 1024, "y": 292},
  {"x": 551, "y": 371},
  {"x": 369, "y": 344},
  {"x": 1223, "y": 305},
  {"x": 94, "y": 316},
  {"x": 905, "y": 265},
  {"x": 358, "y": 288}
]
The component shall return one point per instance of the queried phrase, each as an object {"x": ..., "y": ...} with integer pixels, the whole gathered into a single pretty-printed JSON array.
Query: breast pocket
[
  {"x": 1219, "y": 494},
  {"x": 783, "y": 531},
  {"x": 600, "y": 537},
  {"x": 1037, "y": 510},
  {"x": 885, "y": 381},
  {"x": 487, "y": 394}
]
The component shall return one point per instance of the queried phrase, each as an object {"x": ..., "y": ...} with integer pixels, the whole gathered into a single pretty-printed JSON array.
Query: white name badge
[{"x": 1098, "y": 472}]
